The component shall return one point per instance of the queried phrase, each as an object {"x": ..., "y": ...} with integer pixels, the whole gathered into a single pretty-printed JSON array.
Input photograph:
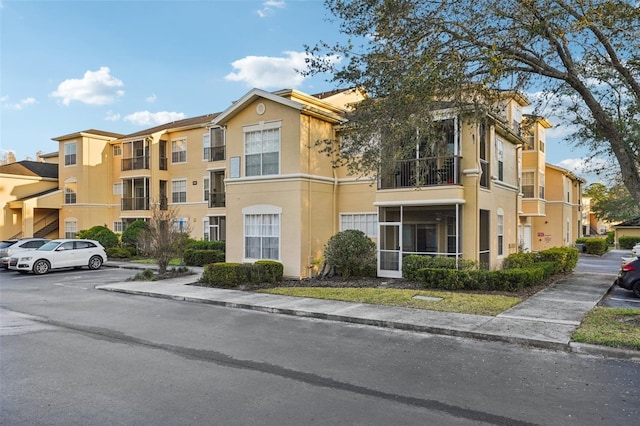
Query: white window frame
[
  {"x": 500, "y": 232},
  {"x": 117, "y": 150},
  {"x": 70, "y": 158},
  {"x": 366, "y": 222},
  {"x": 71, "y": 191},
  {"x": 117, "y": 188},
  {"x": 500, "y": 158},
  {"x": 209, "y": 228},
  {"x": 174, "y": 184},
  {"x": 257, "y": 143},
  {"x": 206, "y": 146},
  {"x": 179, "y": 151},
  {"x": 118, "y": 226},
  {"x": 70, "y": 227},
  {"x": 262, "y": 222},
  {"x": 206, "y": 188},
  {"x": 526, "y": 182}
]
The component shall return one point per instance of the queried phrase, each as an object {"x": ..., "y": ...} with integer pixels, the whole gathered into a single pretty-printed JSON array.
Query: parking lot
[{"x": 80, "y": 279}]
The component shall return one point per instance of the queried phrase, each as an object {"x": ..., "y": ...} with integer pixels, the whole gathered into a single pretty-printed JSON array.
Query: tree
[
  {"x": 613, "y": 204},
  {"x": 102, "y": 234},
  {"x": 165, "y": 236},
  {"x": 403, "y": 54}
]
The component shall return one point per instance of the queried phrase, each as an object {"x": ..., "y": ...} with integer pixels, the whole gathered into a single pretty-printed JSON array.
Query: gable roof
[
  {"x": 90, "y": 132},
  {"x": 178, "y": 124},
  {"x": 635, "y": 222},
  {"x": 30, "y": 168}
]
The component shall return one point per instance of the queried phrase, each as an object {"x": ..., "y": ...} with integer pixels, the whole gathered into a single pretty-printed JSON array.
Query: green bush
[
  {"x": 206, "y": 245},
  {"x": 501, "y": 280},
  {"x": 232, "y": 274},
  {"x": 131, "y": 234},
  {"x": 611, "y": 235},
  {"x": 628, "y": 242},
  {"x": 120, "y": 252},
  {"x": 272, "y": 271},
  {"x": 102, "y": 234},
  {"x": 566, "y": 258},
  {"x": 194, "y": 257},
  {"x": 221, "y": 274},
  {"x": 413, "y": 263},
  {"x": 596, "y": 246},
  {"x": 352, "y": 253},
  {"x": 520, "y": 260}
]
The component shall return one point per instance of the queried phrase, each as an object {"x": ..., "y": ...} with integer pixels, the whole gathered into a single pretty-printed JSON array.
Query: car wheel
[
  {"x": 95, "y": 262},
  {"x": 41, "y": 267},
  {"x": 636, "y": 288}
]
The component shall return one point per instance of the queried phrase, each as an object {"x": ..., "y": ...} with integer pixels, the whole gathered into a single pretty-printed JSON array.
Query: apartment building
[{"x": 251, "y": 175}]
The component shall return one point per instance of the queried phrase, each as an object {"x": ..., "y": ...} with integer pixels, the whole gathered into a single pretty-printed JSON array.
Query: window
[
  {"x": 541, "y": 189},
  {"x": 70, "y": 154},
  {"x": 162, "y": 151},
  {"x": 181, "y": 224},
  {"x": 206, "y": 146},
  {"x": 500, "y": 232},
  {"x": 528, "y": 184},
  {"x": 484, "y": 164},
  {"x": 365, "y": 222},
  {"x": 500, "y": 153},
  {"x": 135, "y": 155},
  {"x": 118, "y": 227},
  {"x": 206, "y": 187},
  {"x": 117, "y": 188},
  {"x": 529, "y": 140},
  {"x": 217, "y": 144},
  {"x": 541, "y": 143},
  {"x": 70, "y": 189},
  {"x": 179, "y": 151},
  {"x": 179, "y": 191},
  {"x": 262, "y": 236},
  {"x": 70, "y": 228},
  {"x": 262, "y": 149},
  {"x": 117, "y": 150},
  {"x": 214, "y": 228}
]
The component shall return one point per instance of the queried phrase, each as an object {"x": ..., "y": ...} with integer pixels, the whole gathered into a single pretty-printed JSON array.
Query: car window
[
  {"x": 51, "y": 245},
  {"x": 33, "y": 244},
  {"x": 66, "y": 246},
  {"x": 6, "y": 244},
  {"x": 83, "y": 244}
]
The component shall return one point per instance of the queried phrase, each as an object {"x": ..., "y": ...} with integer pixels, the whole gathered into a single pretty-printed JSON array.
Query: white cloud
[
  {"x": 270, "y": 72},
  {"x": 269, "y": 6},
  {"x": 112, "y": 116},
  {"x": 146, "y": 118},
  {"x": 583, "y": 166},
  {"x": 21, "y": 104},
  {"x": 151, "y": 99},
  {"x": 95, "y": 88}
]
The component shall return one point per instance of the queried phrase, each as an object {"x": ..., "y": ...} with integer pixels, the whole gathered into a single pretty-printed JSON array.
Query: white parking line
[
  {"x": 70, "y": 286},
  {"x": 622, "y": 299}
]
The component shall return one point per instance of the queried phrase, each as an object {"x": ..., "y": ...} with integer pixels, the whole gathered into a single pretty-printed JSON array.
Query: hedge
[
  {"x": 194, "y": 257},
  {"x": 597, "y": 246},
  {"x": 206, "y": 245},
  {"x": 628, "y": 242},
  {"x": 233, "y": 274},
  {"x": 413, "y": 263},
  {"x": 120, "y": 252}
]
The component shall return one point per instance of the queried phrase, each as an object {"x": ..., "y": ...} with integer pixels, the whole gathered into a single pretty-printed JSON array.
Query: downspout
[{"x": 519, "y": 174}]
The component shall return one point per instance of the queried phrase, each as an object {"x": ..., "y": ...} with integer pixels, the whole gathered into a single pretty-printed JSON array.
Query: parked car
[
  {"x": 10, "y": 248},
  {"x": 629, "y": 276},
  {"x": 62, "y": 253}
]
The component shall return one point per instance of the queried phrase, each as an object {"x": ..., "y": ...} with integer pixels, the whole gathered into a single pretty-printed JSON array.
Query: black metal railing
[
  {"x": 215, "y": 153},
  {"x": 422, "y": 172},
  {"x": 217, "y": 199},
  {"x": 164, "y": 203},
  {"x": 484, "y": 174},
  {"x": 162, "y": 163},
  {"x": 135, "y": 203},
  {"x": 135, "y": 163}
]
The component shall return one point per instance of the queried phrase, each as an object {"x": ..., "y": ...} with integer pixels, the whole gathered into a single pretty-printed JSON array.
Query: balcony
[
  {"x": 135, "y": 163},
  {"x": 135, "y": 203},
  {"x": 432, "y": 171},
  {"x": 217, "y": 199},
  {"x": 215, "y": 153}
]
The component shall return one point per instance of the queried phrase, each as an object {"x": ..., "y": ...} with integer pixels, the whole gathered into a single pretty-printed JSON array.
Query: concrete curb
[{"x": 605, "y": 351}]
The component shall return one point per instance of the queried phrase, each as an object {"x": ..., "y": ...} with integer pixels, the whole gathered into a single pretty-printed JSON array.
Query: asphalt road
[
  {"x": 71, "y": 355},
  {"x": 610, "y": 264}
]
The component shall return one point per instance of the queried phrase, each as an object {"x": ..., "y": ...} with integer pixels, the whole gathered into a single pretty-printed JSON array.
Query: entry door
[
  {"x": 527, "y": 238},
  {"x": 389, "y": 250}
]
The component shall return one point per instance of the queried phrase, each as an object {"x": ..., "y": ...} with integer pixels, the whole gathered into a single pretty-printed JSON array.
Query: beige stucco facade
[{"x": 253, "y": 176}]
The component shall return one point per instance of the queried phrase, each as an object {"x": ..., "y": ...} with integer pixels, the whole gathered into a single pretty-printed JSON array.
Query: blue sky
[{"x": 123, "y": 66}]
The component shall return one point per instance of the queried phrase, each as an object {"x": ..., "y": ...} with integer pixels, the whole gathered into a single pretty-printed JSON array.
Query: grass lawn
[
  {"x": 617, "y": 327},
  {"x": 478, "y": 304},
  {"x": 174, "y": 262}
]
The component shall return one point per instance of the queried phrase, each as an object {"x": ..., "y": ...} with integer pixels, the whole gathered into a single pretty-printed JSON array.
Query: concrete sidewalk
[{"x": 546, "y": 320}]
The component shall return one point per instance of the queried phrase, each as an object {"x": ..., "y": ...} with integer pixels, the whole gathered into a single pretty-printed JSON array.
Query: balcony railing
[
  {"x": 164, "y": 203},
  {"x": 215, "y": 153},
  {"x": 135, "y": 203},
  {"x": 135, "y": 163},
  {"x": 217, "y": 199},
  {"x": 484, "y": 176},
  {"x": 430, "y": 171},
  {"x": 162, "y": 163}
]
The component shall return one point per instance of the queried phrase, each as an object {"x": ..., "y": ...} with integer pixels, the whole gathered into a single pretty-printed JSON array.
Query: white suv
[
  {"x": 9, "y": 248},
  {"x": 62, "y": 253}
]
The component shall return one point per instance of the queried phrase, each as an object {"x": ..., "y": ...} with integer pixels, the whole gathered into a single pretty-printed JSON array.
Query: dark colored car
[{"x": 629, "y": 276}]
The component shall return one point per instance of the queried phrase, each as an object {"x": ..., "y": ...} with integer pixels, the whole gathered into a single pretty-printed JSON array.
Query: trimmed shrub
[
  {"x": 206, "y": 245},
  {"x": 271, "y": 270},
  {"x": 352, "y": 253},
  {"x": 500, "y": 280},
  {"x": 520, "y": 260},
  {"x": 611, "y": 236},
  {"x": 566, "y": 258},
  {"x": 232, "y": 274},
  {"x": 413, "y": 263},
  {"x": 627, "y": 243},
  {"x": 120, "y": 252},
  {"x": 596, "y": 246},
  {"x": 132, "y": 233},
  {"x": 102, "y": 234},
  {"x": 194, "y": 257},
  {"x": 221, "y": 274}
]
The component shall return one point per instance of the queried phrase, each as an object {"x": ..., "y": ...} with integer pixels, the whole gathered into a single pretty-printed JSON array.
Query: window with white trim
[
  {"x": 118, "y": 226},
  {"x": 214, "y": 228},
  {"x": 117, "y": 150},
  {"x": 206, "y": 187},
  {"x": 262, "y": 236},
  {"x": 70, "y": 228},
  {"x": 528, "y": 184},
  {"x": 70, "y": 154},
  {"x": 541, "y": 189},
  {"x": 206, "y": 146},
  {"x": 117, "y": 188},
  {"x": 500, "y": 223},
  {"x": 179, "y": 191},
  {"x": 179, "y": 151},
  {"x": 500, "y": 154},
  {"x": 262, "y": 149},
  {"x": 70, "y": 192},
  {"x": 365, "y": 222}
]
